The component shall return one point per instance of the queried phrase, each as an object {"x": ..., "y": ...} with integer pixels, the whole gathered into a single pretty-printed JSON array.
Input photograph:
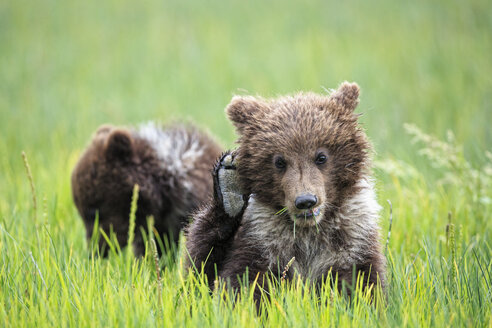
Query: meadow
[{"x": 425, "y": 72}]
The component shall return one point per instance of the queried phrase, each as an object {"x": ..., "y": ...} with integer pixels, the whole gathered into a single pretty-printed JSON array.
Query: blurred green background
[{"x": 68, "y": 66}]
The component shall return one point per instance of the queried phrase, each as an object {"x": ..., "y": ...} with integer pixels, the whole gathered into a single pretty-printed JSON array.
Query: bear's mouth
[{"x": 309, "y": 213}]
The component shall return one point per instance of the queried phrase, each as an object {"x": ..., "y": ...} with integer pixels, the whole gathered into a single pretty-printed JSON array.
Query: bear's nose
[{"x": 305, "y": 202}]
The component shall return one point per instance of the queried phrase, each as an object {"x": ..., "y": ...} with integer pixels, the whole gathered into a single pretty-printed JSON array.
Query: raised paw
[{"x": 226, "y": 185}]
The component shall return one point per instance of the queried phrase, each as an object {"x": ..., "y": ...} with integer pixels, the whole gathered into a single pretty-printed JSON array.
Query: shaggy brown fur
[
  {"x": 293, "y": 148},
  {"x": 171, "y": 166}
]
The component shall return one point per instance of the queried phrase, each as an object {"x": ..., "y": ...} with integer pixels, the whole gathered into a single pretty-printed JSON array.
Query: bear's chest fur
[{"x": 338, "y": 242}]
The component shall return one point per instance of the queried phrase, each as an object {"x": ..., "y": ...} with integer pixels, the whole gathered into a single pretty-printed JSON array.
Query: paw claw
[
  {"x": 227, "y": 185},
  {"x": 227, "y": 161}
]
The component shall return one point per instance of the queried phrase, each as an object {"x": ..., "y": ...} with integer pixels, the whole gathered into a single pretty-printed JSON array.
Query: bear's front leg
[
  {"x": 210, "y": 235},
  {"x": 246, "y": 264},
  {"x": 371, "y": 271}
]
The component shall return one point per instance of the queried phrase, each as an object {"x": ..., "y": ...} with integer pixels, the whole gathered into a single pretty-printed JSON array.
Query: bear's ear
[
  {"x": 346, "y": 98},
  {"x": 119, "y": 145},
  {"x": 245, "y": 110},
  {"x": 104, "y": 129}
]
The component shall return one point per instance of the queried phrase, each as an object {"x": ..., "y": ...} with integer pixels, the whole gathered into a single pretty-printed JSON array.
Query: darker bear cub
[
  {"x": 298, "y": 187},
  {"x": 171, "y": 166}
]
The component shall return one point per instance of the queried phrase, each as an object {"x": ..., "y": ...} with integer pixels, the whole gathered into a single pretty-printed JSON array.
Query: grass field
[{"x": 68, "y": 66}]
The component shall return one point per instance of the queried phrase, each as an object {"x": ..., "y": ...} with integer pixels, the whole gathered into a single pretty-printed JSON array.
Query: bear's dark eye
[
  {"x": 320, "y": 159},
  {"x": 280, "y": 162}
]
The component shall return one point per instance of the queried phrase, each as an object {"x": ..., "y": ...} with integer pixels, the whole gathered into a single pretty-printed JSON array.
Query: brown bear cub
[
  {"x": 171, "y": 166},
  {"x": 298, "y": 187}
]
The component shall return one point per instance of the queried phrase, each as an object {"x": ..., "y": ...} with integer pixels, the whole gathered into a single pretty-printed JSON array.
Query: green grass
[{"x": 68, "y": 66}]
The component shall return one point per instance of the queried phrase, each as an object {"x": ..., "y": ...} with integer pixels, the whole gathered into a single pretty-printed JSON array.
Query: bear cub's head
[
  {"x": 302, "y": 154},
  {"x": 104, "y": 178}
]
